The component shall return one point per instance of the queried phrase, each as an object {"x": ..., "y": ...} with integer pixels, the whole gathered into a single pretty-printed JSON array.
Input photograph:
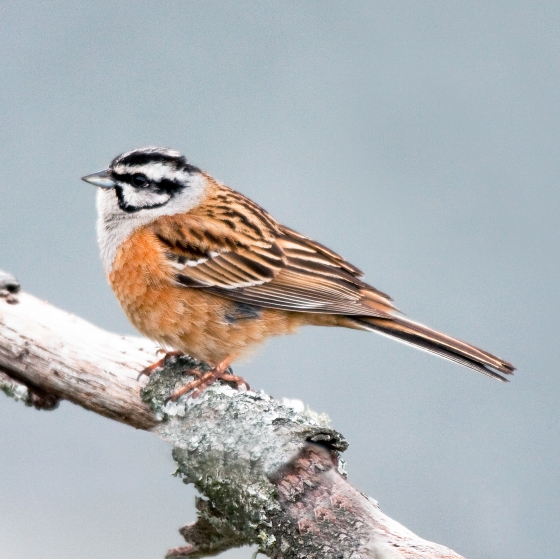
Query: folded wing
[{"x": 279, "y": 269}]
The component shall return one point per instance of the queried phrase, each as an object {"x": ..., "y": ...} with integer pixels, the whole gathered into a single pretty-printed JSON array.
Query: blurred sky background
[{"x": 418, "y": 139}]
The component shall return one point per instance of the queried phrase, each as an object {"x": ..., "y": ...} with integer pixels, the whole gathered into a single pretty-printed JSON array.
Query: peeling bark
[{"x": 270, "y": 472}]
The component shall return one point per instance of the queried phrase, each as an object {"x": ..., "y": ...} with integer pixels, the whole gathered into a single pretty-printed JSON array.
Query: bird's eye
[{"x": 139, "y": 179}]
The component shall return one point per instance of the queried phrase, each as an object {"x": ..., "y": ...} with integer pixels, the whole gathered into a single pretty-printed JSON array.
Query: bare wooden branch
[{"x": 270, "y": 471}]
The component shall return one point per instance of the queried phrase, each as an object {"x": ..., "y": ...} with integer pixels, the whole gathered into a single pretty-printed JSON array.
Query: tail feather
[{"x": 425, "y": 338}]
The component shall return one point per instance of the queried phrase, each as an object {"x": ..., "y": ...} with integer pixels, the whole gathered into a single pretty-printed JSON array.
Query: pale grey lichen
[
  {"x": 342, "y": 468},
  {"x": 14, "y": 389},
  {"x": 229, "y": 444}
]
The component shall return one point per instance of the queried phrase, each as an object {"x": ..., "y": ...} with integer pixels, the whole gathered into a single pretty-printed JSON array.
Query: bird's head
[{"x": 147, "y": 179}]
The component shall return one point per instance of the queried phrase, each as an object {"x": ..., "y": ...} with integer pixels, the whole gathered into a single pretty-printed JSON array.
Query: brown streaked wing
[
  {"x": 321, "y": 249},
  {"x": 208, "y": 253},
  {"x": 234, "y": 270},
  {"x": 294, "y": 292},
  {"x": 278, "y": 269}
]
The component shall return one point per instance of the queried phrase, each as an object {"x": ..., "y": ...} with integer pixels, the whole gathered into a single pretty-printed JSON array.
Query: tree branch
[{"x": 270, "y": 471}]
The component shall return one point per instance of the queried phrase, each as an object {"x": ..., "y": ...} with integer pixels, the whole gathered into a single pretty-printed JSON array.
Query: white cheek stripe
[
  {"x": 142, "y": 198},
  {"x": 115, "y": 226}
]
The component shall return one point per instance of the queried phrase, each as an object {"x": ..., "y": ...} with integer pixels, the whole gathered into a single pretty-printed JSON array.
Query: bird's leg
[
  {"x": 159, "y": 363},
  {"x": 205, "y": 380}
]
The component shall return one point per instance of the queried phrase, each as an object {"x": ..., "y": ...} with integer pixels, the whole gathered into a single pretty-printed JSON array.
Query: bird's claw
[
  {"x": 204, "y": 380},
  {"x": 159, "y": 363}
]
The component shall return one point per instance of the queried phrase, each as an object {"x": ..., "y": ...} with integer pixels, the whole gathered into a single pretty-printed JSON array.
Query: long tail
[{"x": 432, "y": 341}]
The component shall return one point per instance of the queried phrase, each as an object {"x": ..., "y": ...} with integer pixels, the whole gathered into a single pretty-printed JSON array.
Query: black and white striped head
[
  {"x": 137, "y": 188},
  {"x": 145, "y": 178}
]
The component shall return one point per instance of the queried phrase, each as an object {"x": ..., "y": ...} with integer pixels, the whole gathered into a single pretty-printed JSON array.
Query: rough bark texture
[{"x": 271, "y": 471}]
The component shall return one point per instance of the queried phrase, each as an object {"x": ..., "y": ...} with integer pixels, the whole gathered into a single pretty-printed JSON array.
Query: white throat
[{"x": 114, "y": 225}]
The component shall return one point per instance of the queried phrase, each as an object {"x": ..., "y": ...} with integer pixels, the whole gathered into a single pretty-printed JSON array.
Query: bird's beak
[{"x": 102, "y": 179}]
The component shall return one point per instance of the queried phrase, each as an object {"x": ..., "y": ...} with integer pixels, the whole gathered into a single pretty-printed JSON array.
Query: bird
[{"x": 203, "y": 270}]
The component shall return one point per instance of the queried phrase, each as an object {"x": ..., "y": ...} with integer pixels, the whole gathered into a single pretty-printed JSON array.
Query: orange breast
[{"x": 187, "y": 319}]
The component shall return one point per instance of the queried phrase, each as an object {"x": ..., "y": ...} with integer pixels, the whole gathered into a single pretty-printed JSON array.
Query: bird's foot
[
  {"x": 159, "y": 363},
  {"x": 204, "y": 380}
]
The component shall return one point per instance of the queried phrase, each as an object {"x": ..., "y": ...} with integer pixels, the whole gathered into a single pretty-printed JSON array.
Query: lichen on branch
[{"x": 230, "y": 445}]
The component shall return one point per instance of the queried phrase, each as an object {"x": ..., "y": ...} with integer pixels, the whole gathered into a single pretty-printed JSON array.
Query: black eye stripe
[
  {"x": 163, "y": 185},
  {"x": 170, "y": 186},
  {"x": 129, "y": 178},
  {"x": 124, "y": 177}
]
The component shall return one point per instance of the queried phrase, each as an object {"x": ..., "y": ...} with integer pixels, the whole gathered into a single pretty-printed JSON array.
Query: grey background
[{"x": 418, "y": 139}]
